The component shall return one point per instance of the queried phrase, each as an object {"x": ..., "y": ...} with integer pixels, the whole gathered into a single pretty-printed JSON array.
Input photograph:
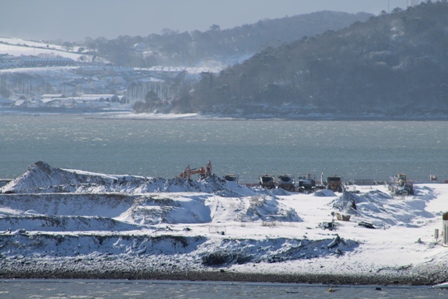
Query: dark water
[
  {"x": 351, "y": 149},
  {"x": 164, "y": 289}
]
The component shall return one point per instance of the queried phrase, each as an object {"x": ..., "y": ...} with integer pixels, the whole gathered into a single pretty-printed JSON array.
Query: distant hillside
[
  {"x": 393, "y": 65},
  {"x": 227, "y": 46}
]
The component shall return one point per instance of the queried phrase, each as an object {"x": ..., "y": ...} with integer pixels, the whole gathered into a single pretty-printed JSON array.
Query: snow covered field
[
  {"x": 72, "y": 223},
  {"x": 18, "y": 47}
]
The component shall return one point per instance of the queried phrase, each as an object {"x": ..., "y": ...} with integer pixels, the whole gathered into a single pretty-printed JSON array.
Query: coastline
[
  {"x": 125, "y": 114},
  {"x": 345, "y": 269},
  {"x": 86, "y": 270},
  {"x": 209, "y": 117}
]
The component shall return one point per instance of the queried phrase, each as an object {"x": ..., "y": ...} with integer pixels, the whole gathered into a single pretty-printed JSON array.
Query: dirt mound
[
  {"x": 382, "y": 209},
  {"x": 42, "y": 178}
]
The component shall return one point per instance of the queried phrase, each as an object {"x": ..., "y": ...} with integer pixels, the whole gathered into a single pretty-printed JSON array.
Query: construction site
[{"x": 398, "y": 185}]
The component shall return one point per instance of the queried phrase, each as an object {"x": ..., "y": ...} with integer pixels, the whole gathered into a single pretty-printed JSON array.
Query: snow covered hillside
[
  {"x": 20, "y": 47},
  {"x": 128, "y": 224}
]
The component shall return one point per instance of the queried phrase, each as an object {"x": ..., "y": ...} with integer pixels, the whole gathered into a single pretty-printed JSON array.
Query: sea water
[
  {"x": 215, "y": 290},
  {"x": 249, "y": 148}
]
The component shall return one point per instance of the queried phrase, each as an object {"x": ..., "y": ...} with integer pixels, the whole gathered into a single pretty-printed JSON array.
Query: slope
[{"x": 391, "y": 66}]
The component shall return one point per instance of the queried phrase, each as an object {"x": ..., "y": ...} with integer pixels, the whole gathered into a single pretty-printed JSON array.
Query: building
[{"x": 34, "y": 61}]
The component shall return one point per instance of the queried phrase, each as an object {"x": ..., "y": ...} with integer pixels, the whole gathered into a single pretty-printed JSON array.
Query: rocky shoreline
[
  {"x": 215, "y": 276},
  {"x": 156, "y": 268}
]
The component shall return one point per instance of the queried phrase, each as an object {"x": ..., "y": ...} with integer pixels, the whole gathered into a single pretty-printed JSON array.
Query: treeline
[
  {"x": 189, "y": 48},
  {"x": 394, "y": 64}
]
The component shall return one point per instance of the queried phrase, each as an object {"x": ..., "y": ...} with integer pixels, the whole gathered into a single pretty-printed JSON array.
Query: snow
[
  {"x": 29, "y": 43},
  {"x": 153, "y": 116},
  {"x": 209, "y": 224},
  {"x": 18, "y": 47},
  {"x": 203, "y": 68},
  {"x": 165, "y": 116}
]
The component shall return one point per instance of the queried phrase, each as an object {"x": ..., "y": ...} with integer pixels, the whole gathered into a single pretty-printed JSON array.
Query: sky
[{"x": 74, "y": 20}]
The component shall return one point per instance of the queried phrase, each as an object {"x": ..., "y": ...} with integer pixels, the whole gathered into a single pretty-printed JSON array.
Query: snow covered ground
[
  {"x": 71, "y": 223},
  {"x": 18, "y": 47}
]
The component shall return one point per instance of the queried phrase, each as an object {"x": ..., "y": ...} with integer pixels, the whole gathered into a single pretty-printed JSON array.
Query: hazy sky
[{"x": 73, "y": 20}]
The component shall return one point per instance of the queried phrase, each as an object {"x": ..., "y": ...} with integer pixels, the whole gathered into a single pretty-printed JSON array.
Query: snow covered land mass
[
  {"x": 19, "y": 47},
  {"x": 65, "y": 223}
]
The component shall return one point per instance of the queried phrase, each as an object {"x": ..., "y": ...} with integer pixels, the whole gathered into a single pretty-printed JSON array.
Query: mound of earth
[{"x": 42, "y": 178}]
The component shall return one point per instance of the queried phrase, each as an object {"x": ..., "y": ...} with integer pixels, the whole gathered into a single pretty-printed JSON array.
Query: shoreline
[
  {"x": 124, "y": 114},
  {"x": 223, "y": 276},
  {"x": 158, "y": 267}
]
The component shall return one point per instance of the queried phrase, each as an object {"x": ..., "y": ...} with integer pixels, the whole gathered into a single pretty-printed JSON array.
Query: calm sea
[
  {"x": 216, "y": 290},
  {"x": 163, "y": 148}
]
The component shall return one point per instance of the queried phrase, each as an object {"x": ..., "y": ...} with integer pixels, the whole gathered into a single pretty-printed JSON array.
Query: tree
[
  {"x": 151, "y": 96},
  {"x": 167, "y": 31},
  {"x": 215, "y": 27},
  {"x": 139, "y": 107},
  {"x": 5, "y": 92},
  {"x": 68, "y": 46}
]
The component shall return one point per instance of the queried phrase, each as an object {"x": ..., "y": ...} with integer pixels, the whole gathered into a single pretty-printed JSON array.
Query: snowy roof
[
  {"x": 19, "y": 102},
  {"x": 96, "y": 96},
  {"x": 50, "y": 95}
]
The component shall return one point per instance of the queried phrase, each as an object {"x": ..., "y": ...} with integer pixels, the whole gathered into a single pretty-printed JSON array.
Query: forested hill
[
  {"x": 393, "y": 65},
  {"x": 190, "y": 48}
]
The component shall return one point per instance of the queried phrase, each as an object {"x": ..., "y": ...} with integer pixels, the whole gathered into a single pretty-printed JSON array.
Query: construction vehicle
[
  {"x": 286, "y": 182},
  {"x": 307, "y": 182},
  {"x": 267, "y": 181},
  {"x": 231, "y": 178},
  {"x": 188, "y": 172},
  {"x": 334, "y": 183},
  {"x": 399, "y": 185}
]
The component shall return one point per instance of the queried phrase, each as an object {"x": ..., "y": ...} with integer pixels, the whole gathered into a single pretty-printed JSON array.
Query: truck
[
  {"x": 307, "y": 182},
  {"x": 267, "y": 181},
  {"x": 286, "y": 182},
  {"x": 334, "y": 183}
]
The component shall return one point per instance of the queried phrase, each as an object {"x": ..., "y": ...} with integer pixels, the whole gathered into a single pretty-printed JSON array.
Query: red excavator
[{"x": 188, "y": 172}]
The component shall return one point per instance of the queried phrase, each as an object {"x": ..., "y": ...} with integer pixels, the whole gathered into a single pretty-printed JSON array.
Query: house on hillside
[
  {"x": 52, "y": 96},
  {"x": 20, "y": 103}
]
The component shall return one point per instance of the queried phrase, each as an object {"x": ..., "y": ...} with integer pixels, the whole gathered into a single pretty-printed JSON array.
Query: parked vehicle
[
  {"x": 267, "y": 181},
  {"x": 307, "y": 182},
  {"x": 286, "y": 182},
  {"x": 399, "y": 185},
  {"x": 232, "y": 178},
  {"x": 334, "y": 183}
]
